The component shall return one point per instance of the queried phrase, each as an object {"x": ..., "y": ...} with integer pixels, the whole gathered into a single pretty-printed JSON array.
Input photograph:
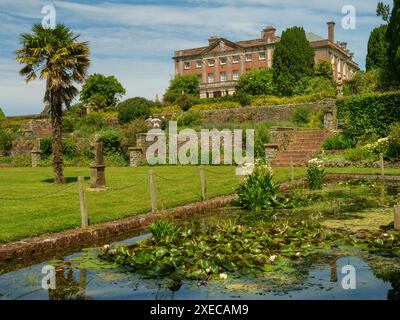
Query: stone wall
[
  {"x": 265, "y": 113},
  {"x": 22, "y": 147},
  {"x": 37, "y": 128}
]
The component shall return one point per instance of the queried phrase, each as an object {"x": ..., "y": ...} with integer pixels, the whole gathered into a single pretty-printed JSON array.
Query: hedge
[
  {"x": 369, "y": 117},
  {"x": 259, "y": 101},
  {"x": 215, "y": 106}
]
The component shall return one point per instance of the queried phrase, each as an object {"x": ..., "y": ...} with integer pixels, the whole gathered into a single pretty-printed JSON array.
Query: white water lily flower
[
  {"x": 106, "y": 247},
  {"x": 223, "y": 276},
  {"x": 272, "y": 258}
]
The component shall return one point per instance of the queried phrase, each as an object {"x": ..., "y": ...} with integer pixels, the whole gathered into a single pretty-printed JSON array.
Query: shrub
[
  {"x": 293, "y": 60},
  {"x": 92, "y": 122},
  {"x": 324, "y": 69},
  {"x": 163, "y": 230},
  {"x": 243, "y": 98},
  {"x": 130, "y": 131},
  {"x": 262, "y": 136},
  {"x": 301, "y": 115},
  {"x": 258, "y": 191},
  {"x": 369, "y": 117},
  {"x": 358, "y": 154},
  {"x": 5, "y": 142},
  {"x": 316, "y": 120},
  {"x": 363, "y": 83},
  {"x": 170, "y": 109},
  {"x": 46, "y": 146},
  {"x": 339, "y": 142},
  {"x": 129, "y": 112},
  {"x": 21, "y": 161},
  {"x": 315, "y": 174},
  {"x": 69, "y": 147},
  {"x": 256, "y": 82},
  {"x": 138, "y": 101},
  {"x": 101, "y": 91},
  {"x": 273, "y": 100},
  {"x": 393, "y": 150},
  {"x": 189, "y": 85},
  {"x": 190, "y": 119},
  {"x": 116, "y": 160},
  {"x": 111, "y": 142},
  {"x": 69, "y": 122},
  {"x": 215, "y": 106},
  {"x": 185, "y": 101},
  {"x": 321, "y": 85},
  {"x": 301, "y": 86}
]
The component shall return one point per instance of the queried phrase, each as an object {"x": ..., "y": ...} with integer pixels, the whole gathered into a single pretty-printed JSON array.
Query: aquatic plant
[
  {"x": 258, "y": 191},
  {"x": 315, "y": 174},
  {"x": 218, "y": 250},
  {"x": 163, "y": 230}
]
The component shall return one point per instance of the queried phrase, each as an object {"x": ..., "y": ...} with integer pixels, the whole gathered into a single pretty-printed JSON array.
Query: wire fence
[{"x": 147, "y": 179}]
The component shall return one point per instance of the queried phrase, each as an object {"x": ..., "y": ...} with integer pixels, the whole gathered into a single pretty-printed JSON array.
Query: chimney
[
  {"x": 331, "y": 31},
  {"x": 268, "y": 32},
  {"x": 212, "y": 40}
]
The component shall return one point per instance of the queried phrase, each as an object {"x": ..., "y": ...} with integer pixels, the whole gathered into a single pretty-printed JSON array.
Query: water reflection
[
  {"x": 67, "y": 287},
  {"x": 320, "y": 279}
]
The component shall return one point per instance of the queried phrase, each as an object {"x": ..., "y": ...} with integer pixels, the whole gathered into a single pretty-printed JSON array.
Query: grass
[{"x": 60, "y": 211}]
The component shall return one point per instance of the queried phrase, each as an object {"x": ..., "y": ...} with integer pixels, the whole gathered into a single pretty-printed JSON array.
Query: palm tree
[{"x": 56, "y": 56}]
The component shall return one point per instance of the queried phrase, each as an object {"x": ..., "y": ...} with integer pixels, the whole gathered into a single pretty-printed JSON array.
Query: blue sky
[{"x": 135, "y": 40}]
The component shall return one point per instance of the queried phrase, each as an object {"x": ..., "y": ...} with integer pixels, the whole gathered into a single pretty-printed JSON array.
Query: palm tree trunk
[{"x": 57, "y": 148}]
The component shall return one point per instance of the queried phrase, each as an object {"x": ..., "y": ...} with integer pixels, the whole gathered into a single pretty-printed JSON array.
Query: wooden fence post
[
  {"x": 83, "y": 205},
  {"x": 382, "y": 163},
  {"x": 203, "y": 184},
  {"x": 153, "y": 194}
]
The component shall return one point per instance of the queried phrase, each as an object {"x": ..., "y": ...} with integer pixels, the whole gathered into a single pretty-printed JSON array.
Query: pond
[{"x": 322, "y": 275}]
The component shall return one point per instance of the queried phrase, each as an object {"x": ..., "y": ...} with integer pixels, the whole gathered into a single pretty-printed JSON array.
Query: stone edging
[{"x": 47, "y": 245}]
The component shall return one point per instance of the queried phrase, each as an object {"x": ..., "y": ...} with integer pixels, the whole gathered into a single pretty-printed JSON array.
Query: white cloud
[{"x": 135, "y": 42}]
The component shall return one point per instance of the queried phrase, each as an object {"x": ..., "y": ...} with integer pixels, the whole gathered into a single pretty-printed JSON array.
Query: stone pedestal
[
  {"x": 35, "y": 157},
  {"x": 135, "y": 156},
  {"x": 98, "y": 177},
  {"x": 98, "y": 174},
  {"x": 36, "y": 154},
  {"x": 270, "y": 152},
  {"x": 330, "y": 122}
]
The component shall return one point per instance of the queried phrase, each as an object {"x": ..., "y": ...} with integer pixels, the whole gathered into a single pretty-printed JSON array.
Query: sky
[{"x": 135, "y": 40}]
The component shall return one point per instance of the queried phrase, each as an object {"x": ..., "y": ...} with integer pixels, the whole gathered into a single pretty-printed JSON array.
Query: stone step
[{"x": 304, "y": 147}]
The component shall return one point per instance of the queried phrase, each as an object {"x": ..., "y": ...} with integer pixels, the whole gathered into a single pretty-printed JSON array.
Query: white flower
[
  {"x": 385, "y": 235},
  {"x": 106, "y": 247},
  {"x": 223, "y": 276},
  {"x": 113, "y": 251},
  {"x": 297, "y": 254},
  {"x": 208, "y": 270},
  {"x": 272, "y": 258}
]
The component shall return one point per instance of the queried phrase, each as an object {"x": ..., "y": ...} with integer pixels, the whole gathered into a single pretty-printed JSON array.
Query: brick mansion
[{"x": 220, "y": 64}]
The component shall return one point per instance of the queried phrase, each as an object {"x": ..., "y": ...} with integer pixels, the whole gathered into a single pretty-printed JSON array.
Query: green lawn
[{"x": 60, "y": 211}]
